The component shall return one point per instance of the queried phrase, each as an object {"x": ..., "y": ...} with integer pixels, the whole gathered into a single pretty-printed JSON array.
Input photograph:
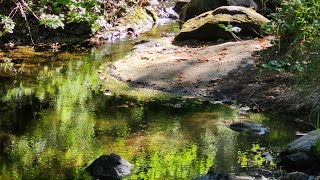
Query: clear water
[{"x": 54, "y": 122}]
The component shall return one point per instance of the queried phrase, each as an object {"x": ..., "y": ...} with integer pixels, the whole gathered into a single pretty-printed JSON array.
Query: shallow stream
[{"x": 54, "y": 121}]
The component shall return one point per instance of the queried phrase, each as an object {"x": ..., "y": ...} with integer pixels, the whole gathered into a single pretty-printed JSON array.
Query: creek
[{"x": 54, "y": 121}]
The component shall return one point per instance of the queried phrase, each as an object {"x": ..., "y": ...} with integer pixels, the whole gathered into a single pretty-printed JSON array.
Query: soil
[{"x": 226, "y": 71}]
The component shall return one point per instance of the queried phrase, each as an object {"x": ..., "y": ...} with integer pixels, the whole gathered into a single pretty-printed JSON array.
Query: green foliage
[
  {"x": 7, "y": 64},
  {"x": 297, "y": 25},
  {"x": 299, "y": 19},
  {"x": 52, "y": 21},
  {"x": 318, "y": 129},
  {"x": 276, "y": 65},
  {"x": 57, "y": 13},
  {"x": 231, "y": 29},
  {"x": 8, "y": 24}
]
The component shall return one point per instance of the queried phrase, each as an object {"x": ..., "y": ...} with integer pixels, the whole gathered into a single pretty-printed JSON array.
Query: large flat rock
[{"x": 162, "y": 65}]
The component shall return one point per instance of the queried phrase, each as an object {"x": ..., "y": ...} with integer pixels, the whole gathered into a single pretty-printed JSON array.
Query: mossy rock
[
  {"x": 197, "y": 7},
  {"x": 138, "y": 20},
  {"x": 205, "y": 26}
]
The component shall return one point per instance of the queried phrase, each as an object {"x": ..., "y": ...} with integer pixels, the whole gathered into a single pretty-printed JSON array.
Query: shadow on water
[{"x": 56, "y": 124}]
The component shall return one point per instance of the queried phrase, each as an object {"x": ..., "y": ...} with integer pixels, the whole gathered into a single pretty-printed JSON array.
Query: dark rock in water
[
  {"x": 110, "y": 167},
  {"x": 248, "y": 127},
  {"x": 297, "y": 176},
  {"x": 197, "y": 7},
  {"x": 206, "y": 25},
  {"x": 261, "y": 173},
  {"x": 301, "y": 154}
]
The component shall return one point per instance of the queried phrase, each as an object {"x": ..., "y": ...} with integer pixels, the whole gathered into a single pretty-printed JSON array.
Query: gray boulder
[
  {"x": 197, "y": 7},
  {"x": 206, "y": 25},
  {"x": 110, "y": 167},
  {"x": 301, "y": 154}
]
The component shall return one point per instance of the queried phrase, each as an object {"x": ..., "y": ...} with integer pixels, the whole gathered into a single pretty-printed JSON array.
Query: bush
[
  {"x": 297, "y": 25},
  {"x": 99, "y": 14}
]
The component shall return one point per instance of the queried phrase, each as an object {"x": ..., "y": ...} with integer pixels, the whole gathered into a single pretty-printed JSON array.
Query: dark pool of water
[{"x": 56, "y": 123}]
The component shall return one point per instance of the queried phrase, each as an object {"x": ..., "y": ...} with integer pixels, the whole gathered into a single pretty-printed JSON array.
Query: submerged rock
[
  {"x": 110, "y": 167},
  {"x": 248, "y": 128},
  {"x": 301, "y": 155},
  {"x": 206, "y": 25}
]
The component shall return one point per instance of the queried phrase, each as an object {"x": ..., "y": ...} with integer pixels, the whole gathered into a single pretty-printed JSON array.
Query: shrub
[
  {"x": 55, "y": 14},
  {"x": 297, "y": 25}
]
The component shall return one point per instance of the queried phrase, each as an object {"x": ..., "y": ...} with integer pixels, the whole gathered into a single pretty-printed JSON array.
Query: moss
[
  {"x": 205, "y": 26},
  {"x": 209, "y": 17},
  {"x": 67, "y": 56},
  {"x": 24, "y": 52},
  {"x": 28, "y": 53},
  {"x": 137, "y": 15}
]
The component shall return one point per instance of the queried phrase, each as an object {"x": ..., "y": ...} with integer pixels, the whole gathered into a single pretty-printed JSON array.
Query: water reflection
[
  {"x": 70, "y": 132},
  {"x": 180, "y": 139},
  {"x": 59, "y": 138},
  {"x": 55, "y": 125}
]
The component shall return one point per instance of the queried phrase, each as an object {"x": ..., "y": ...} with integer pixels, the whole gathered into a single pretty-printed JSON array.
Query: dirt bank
[{"x": 225, "y": 71}]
